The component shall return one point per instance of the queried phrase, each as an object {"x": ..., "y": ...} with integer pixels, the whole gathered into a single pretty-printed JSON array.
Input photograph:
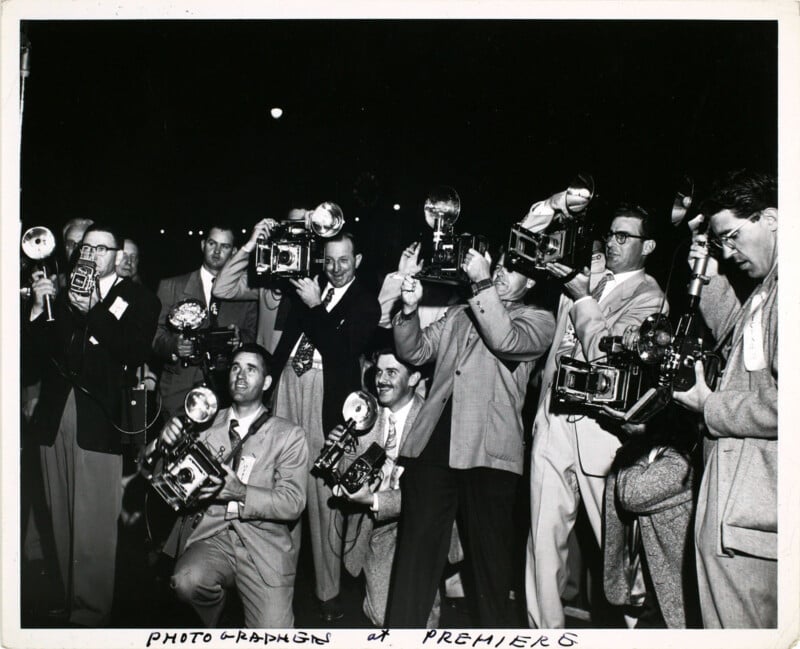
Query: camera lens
[
  {"x": 185, "y": 475},
  {"x": 285, "y": 257}
]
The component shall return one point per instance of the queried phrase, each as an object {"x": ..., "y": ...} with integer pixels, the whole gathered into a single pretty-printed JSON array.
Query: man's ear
[
  {"x": 414, "y": 378},
  {"x": 118, "y": 255},
  {"x": 267, "y": 383},
  {"x": 529, "y": 284},
  {"x": 770, "y": 216},
  {"x": 648, "y": 246},
  {"x": 358, "y": 260}
]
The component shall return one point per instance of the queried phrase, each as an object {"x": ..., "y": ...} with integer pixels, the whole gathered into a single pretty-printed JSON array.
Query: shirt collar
[
  {"x": 105, "y": 284},
  {"x": 244, "y": 422},
  {"x": 400, "y": 416},
  {"x": 621, "y": 277}
]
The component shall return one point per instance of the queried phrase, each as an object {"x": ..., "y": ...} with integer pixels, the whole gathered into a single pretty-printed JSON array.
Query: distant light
[
  {"x": 276, "y": 113},
  {"x": 396, "y": 207},
  {"x": 200, "y": 232},
  {"x": 162, "y": 230},
  {"x": 191, "y": 233},
  {"x": 244, "y": 231}
]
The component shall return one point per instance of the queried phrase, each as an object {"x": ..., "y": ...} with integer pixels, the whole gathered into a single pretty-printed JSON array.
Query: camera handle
[{"x": 48, "y": 305}]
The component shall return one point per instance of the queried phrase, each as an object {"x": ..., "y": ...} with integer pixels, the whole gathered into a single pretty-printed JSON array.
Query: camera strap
[{"x": 258, "y": 423}]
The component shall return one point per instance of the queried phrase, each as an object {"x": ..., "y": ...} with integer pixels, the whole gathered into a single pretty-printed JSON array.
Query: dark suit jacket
[
  {"x": 176, "y": 380},
  {"x": 340, "y": 335},
  {"x": 98, "y": 352}
]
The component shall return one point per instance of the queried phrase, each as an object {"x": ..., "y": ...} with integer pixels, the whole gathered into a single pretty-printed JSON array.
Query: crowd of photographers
[{"x": 677, "y": 478}]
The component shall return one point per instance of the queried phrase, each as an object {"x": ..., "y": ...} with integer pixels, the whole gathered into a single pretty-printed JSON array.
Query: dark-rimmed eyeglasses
[
  {"x": 621, "y": 237},
  {"x": 99, "y": 250}
]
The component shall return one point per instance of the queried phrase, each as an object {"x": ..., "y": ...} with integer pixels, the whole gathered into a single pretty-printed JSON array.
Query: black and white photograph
[{"x": 399, "y": 325}]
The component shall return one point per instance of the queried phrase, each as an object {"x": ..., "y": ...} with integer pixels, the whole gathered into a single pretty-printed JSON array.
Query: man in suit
[
  {"x": 736, "y": 530},
  {"x": 248, "y": 534},
  {"x": 571, "y": 454},
  {"x": 464, "y": 454},
  {"x": 172, "y": 347},
  {"x": 89, "y": 350},
  {"x": 372, "y": 531},
  {"x": 330, "y": 323}
]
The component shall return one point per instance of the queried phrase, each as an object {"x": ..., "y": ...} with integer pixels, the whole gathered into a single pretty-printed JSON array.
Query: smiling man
[
  {"x": 571, "y": 456},
  {"x": 330, "y": 323},
  {"x": 372, "y": 530},
  {"x": 247, "y": 534},
  {"x": 736, "y": 530}
]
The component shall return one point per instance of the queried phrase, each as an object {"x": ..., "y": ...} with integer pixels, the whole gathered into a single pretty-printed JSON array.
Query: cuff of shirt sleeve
[
  {"x": 375, "y": 506},
  {"x": 581, "y": 299}
]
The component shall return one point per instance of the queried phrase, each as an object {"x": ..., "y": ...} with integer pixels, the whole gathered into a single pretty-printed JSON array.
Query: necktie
[
  {"x": 390, "y": 446},
  {"x": 597, "y": 291},
  {"x": 305, "y": 350},
  {"x": 235, "y": 438},
  {"x": 213, "y": 306}
]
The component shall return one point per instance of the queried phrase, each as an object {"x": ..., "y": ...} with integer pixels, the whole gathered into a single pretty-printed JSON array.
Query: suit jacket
[
  {"x": 275, "y": 499},
  {"x": 232, "y": 284},
  {"x": 340, "y": 335},
  {"x": 660, "y": 495},
  {"x": 176, "y": 380},
  {"x": 627, "y": 304},
  {"x": 742, "y": 420},
  {"x": 484, "y": 354},
  {"x": 96, "y": 352},
  {"x": 376, "y": 529}
]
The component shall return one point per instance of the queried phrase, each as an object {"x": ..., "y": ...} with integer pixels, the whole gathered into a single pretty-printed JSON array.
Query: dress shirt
[
  {"x": 104, "y": 284},
  {"x": 207, "y": 280},
  {"x": 399, "y": 423}
]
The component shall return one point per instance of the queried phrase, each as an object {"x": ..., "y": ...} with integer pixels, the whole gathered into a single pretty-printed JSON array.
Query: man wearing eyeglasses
[
  {"x": 736, "y": 530},
  {"x": 88, "y": 351},
  {"x": 571, "y": 454},
  {"x": 172, "y": 347}
]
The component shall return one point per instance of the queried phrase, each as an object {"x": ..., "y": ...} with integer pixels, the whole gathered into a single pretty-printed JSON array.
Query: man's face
[
  {"x": 105, "y": 262},
  {"x": 628, "y": 256},
  {"x": 511, "y": 286},
  {"x": 340, "y": 263},
  {"x": 754, "y": 245},
  {"x": 73, "y": 237},
  {"x": 217, "y": 248},
  {"x": 128, "y": 265},
  {"x": 394, "y": 383},
  {"x": 247, "y": 379}
]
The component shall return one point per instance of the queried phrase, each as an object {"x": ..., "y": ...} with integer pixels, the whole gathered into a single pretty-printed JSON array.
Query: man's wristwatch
[{"x": 481, "y": 285}]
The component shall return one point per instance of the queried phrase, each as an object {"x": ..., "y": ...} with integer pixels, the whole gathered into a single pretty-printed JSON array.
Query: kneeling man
[{"x": 248, "y": 533}]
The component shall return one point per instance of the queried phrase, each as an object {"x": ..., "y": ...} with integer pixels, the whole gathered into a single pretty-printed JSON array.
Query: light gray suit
[
  {"x": 262, "y": 543},
  {"x": 572, "y": 455}
]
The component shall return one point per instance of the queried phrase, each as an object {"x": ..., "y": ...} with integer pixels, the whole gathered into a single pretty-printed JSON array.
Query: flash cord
[{"x": 89, "y": 394}]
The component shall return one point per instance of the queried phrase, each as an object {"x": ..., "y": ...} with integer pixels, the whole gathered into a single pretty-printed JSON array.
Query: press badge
[
  {"x": 246, "y": 463},
  {"x": 118, "y": 307},
  {"x": 753, "y": 337}
]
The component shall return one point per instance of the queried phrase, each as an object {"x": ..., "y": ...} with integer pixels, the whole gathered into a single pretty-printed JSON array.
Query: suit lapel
[{"x": 194, "y": 288}]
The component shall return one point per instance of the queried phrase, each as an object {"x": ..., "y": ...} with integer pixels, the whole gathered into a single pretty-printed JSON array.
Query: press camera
[
  {"x": 178, "y": 472},
  {"x": 639, "y": 378},
  {"x": 442, "y": 209},
  {"x": 360, "y": 410},
  {"x": 212, "y": 348},
  {"x": 566, "y": 239},
  {"x": 291, "y": 250}
]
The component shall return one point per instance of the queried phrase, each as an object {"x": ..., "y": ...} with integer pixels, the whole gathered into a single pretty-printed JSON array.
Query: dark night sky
[{"x": 166, "y": 124}]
